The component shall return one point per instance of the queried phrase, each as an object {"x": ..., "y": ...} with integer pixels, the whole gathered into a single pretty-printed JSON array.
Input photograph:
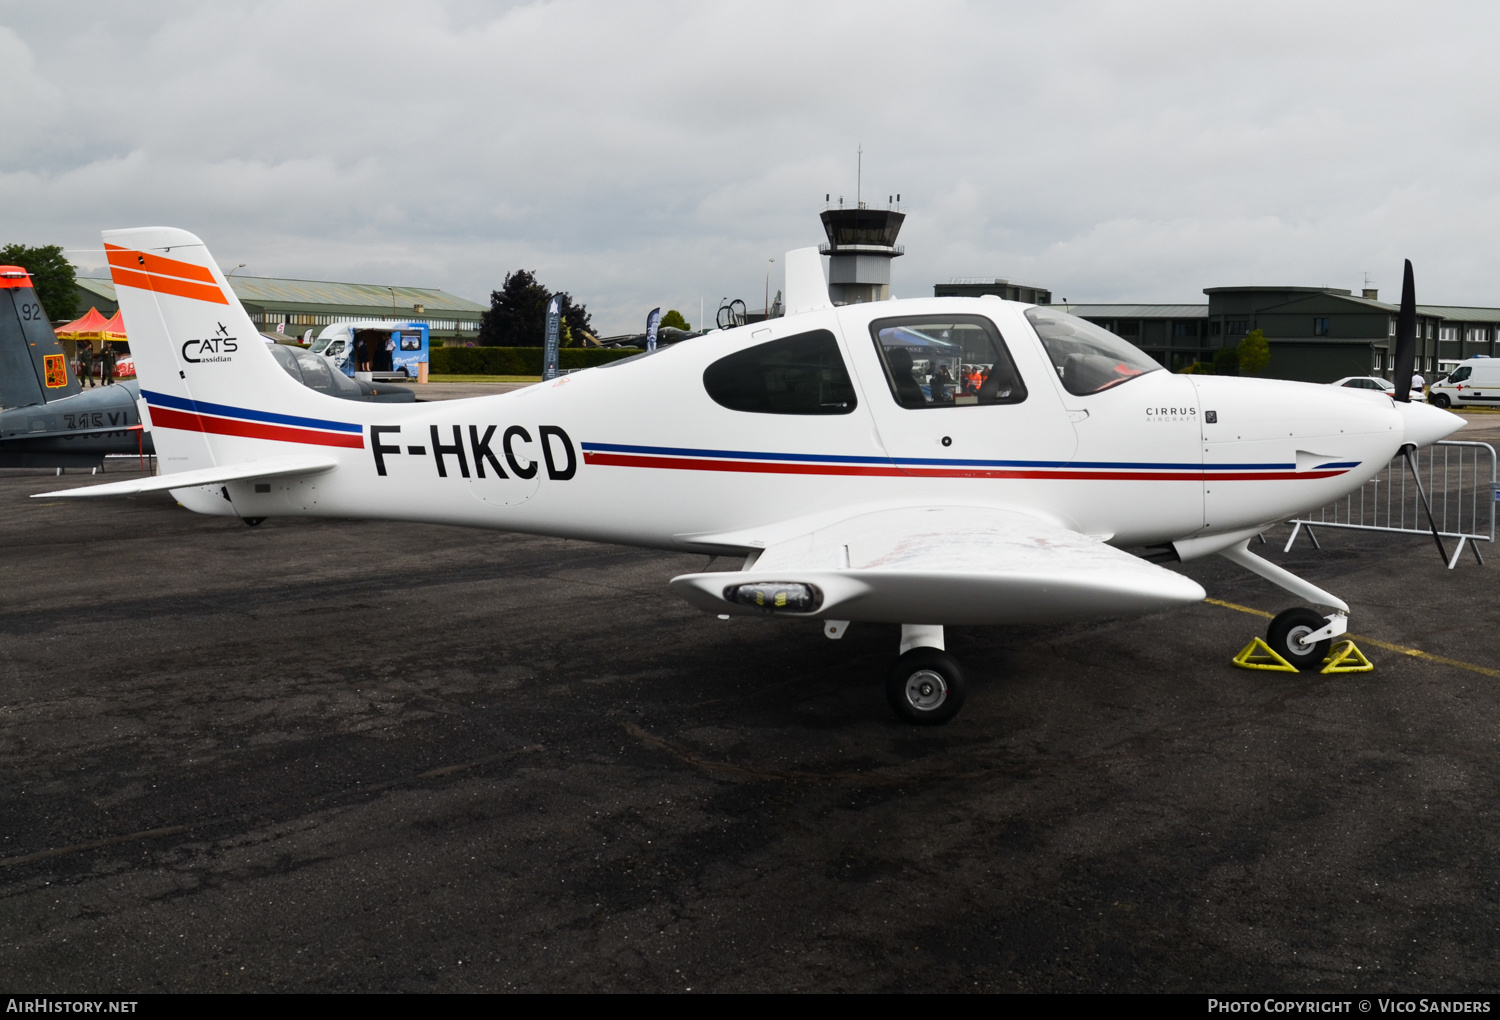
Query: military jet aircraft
[
  {"x": 858, "y": 482},
  {"x": 46, "y": 420}
]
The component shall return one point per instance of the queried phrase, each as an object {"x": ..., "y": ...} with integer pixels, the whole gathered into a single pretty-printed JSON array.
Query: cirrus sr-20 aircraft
[{"x": 930, "y": 462}]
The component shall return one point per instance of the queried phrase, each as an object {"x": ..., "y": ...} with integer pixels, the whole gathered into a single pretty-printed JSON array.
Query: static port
[{"x": 776, "y": 596}]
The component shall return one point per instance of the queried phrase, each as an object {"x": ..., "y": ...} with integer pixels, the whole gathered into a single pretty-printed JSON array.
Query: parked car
[{"x": 1366, "y": 382}]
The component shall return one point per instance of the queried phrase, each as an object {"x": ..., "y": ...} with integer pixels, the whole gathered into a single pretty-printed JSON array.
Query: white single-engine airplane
[{"x": 922, "y": 462}]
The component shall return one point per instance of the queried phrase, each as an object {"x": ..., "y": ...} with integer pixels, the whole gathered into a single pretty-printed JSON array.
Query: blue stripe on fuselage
[{"x": 225, "y": 411}]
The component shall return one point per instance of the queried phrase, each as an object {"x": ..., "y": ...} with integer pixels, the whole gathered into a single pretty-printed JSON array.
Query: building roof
[
  {"x": 1341, "y": 296},
  {"x": 1135, "y": 311},
  {"x": 263, "y": 290},
  {"x": 990, "y": 281},
  {"x": 1460, "y": 313},
  {"x": 1337, "y": 291}
]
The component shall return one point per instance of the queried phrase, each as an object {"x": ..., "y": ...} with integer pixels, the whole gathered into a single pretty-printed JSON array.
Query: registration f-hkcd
[{"x": 963, "y": 461}]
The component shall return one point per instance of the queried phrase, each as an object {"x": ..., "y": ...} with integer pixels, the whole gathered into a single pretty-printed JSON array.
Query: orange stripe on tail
[
  {"x": 124, "y": 277},
  {"x": 157, "y": 265}
]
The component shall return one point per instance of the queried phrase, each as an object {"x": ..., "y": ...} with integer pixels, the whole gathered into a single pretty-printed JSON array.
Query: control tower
[{"x": 861, "y": 244}]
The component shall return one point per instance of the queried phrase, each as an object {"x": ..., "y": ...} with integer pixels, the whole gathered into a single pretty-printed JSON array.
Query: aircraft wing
[
  {"x": 944, "y": 565},
  {"x": 272, "y": 467}
]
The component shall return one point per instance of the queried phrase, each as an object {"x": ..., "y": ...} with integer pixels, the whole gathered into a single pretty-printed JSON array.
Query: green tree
[
  {"x": 674, "y": 319},
  {"x": 518, "y": 314},
  {"x": 1227, "y": 361},
  {"x": 1254, "y": 353},
  {"x": 51, "y": 276}
]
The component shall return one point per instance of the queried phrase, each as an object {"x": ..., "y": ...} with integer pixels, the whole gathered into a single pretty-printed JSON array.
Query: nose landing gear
[{"x": 1288, "y": 635}]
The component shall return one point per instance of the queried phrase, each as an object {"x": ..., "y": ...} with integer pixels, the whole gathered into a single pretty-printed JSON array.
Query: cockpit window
[
  {"x": 315, "y": 372},
  {"x": 802, "y": 374},
  {"x": 953, "y": 361},
  {"x": 1087, "y": 357},
  {"x": 286, "y": 359}
]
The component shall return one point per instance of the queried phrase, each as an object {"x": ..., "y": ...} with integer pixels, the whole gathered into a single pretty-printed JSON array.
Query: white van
[
  {"x": 1474, "y": 383},
  {"x": 393, "y": 350}
]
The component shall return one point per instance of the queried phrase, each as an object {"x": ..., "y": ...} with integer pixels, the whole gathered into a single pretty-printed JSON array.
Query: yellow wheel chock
[
  {"x": 1259, "y": 655},
  {"x": 1345, "y": 657}
]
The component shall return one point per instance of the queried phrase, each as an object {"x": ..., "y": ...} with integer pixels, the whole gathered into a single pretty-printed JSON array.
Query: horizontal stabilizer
[{"x": 275, "y": 467}]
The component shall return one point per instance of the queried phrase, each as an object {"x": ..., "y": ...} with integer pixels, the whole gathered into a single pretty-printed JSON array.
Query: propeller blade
[{"x": 1404, "y": 361}]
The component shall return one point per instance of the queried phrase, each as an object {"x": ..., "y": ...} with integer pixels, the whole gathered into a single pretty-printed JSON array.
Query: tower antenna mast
[{"x": 859, "y": 177}]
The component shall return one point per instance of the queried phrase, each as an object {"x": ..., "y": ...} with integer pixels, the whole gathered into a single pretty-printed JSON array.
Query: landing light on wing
[{"x": 776, "y": 596}]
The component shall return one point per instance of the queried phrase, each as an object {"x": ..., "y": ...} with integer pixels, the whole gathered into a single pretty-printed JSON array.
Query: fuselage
[
  {"x": 74, "y": 430},
  {"x": 641, "y": 452}
]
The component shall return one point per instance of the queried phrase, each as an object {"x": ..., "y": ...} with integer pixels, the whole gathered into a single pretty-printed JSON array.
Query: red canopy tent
[{"x": 93, "y": 326}]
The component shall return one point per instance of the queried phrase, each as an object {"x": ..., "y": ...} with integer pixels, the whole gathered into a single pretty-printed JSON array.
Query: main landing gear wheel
[
  {"x": 1287, "y": 632},
  {"x": 926, "y": 687}
]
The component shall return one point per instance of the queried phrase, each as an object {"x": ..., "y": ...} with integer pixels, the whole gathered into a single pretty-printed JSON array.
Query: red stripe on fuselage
[
  {"x": 798, "y": 468},
  {"x": 187, "y": 421},
  {"x": 703, "y": 464}
]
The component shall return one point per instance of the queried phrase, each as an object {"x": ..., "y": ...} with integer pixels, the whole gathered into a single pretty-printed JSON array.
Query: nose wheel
[
  {"x": 926, "y": 687},
  {"x": 1287, "y": 634}
]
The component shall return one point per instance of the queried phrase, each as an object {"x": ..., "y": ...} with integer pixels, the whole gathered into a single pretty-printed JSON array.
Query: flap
[{"x": 272, "y": 467}]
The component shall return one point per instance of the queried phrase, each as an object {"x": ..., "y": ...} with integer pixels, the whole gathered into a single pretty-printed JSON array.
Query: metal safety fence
[{"x": 1458, "y": 479}]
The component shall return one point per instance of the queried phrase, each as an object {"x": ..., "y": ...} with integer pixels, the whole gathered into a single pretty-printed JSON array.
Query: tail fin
[
  {"x": 806, "y": 289},
  {"x": 33, "y": 367},
  {"x": 216, "y": 394}
]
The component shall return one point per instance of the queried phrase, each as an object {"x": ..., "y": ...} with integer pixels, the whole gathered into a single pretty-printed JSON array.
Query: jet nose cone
[{"x": 1426, "y": 424}]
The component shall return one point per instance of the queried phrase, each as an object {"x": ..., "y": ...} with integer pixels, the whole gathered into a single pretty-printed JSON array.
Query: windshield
[
  {"x": 319, "y": 344},
  {"x": 1088, "y": 358}
]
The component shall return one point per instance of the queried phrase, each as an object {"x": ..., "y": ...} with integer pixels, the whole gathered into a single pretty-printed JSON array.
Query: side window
[
  {"x": 1460, "y": 374},
  {"x": 946, "y": 361},
  {"x": 802, "y": 374}
]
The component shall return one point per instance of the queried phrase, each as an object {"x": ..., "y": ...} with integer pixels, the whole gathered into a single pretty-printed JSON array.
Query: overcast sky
[{"x": 655, "y": 154}]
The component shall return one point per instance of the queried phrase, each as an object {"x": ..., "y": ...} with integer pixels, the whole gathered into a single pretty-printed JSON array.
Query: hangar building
[
  {"x": 299, "y": 305},
  {"x": 1317, "y": 334}
]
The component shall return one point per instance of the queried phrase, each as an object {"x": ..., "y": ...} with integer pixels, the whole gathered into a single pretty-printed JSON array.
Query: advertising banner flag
[
  {"x": 652, "y": 321},
  {"x": 554, "y": 328}
]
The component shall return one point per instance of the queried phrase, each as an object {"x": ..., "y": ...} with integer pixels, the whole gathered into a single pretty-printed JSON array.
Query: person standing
[
  {"x": 108, "y": 363},
  {"x": 85, "y": 363},
  {"x": 1418, "y": 386}
]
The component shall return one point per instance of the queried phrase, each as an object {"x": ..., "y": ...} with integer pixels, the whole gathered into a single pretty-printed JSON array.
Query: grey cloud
[{"x": 651, "y": 154}]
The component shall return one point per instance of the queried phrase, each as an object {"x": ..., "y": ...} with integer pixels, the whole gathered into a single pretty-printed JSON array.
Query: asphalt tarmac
[{"x": 323, "y": 755}]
